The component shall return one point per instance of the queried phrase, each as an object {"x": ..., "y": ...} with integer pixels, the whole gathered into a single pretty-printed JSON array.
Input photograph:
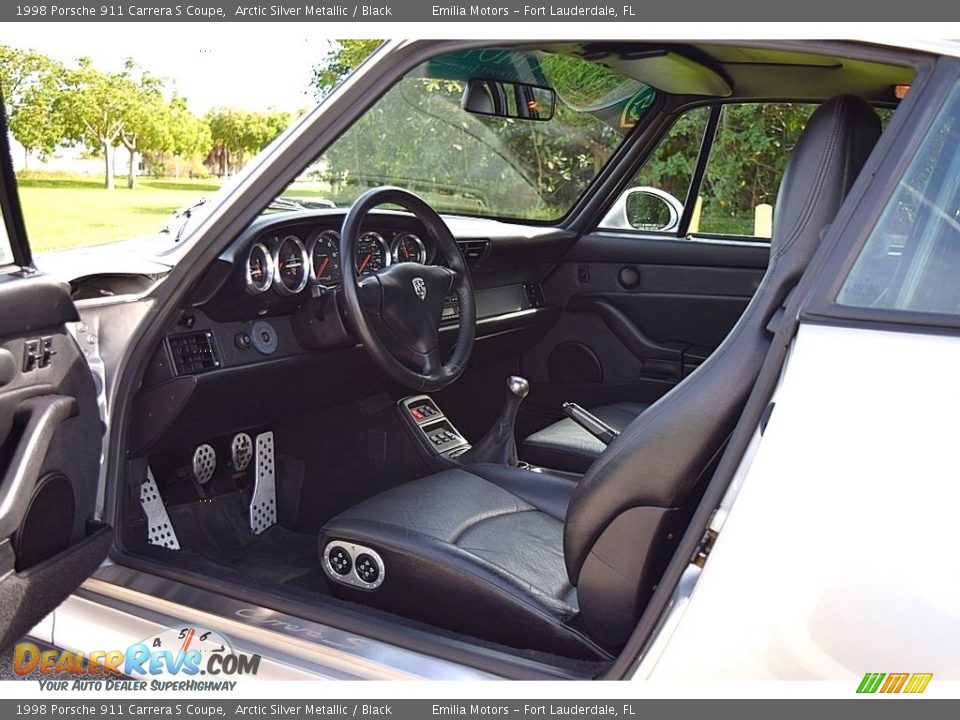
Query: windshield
[{"x": 418, "y": 137}]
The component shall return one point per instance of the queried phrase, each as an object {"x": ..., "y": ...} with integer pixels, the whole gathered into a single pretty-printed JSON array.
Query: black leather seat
[
  {"x": 536, "y": 561},
  {"x": 567, "y": 446}
]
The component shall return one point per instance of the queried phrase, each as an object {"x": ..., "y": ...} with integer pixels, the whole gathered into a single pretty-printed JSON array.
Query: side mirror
[
  {"x": 644, "y": 208},
  {"x": 508, "y": 100}
]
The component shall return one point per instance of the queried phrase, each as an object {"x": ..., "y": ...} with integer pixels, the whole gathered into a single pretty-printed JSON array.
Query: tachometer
[
  {"x": 325, "y": 259},
  {"x": 259, "y": 270},
  {"x": 373, "y": 255},
  {"x": 409, "y": 248},
  {"x": 292, "y": 266}
]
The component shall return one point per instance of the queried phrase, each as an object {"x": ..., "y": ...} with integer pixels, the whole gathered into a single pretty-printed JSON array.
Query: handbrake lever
[{"x": 591, "y": 423}]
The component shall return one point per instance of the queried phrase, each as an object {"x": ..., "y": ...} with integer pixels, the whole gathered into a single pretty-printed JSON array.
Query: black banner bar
[{"x": 420, "y": 11}]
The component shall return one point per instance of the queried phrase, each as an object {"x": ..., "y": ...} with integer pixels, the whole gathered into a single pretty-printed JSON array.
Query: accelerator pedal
[
  {"x": 159, "y": 528},
  {"x": 263, "y": 504},
  {"x": 241, "y": 451}
]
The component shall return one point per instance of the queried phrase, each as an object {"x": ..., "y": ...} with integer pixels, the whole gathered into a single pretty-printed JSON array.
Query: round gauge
[
  {"x": 291, "y": 266},
  {"x": 373, "y": 255},
  {"x": 325, "y": 259},
  {"x": 259, "y": 271},
  {"x": 409, "y": 248}
]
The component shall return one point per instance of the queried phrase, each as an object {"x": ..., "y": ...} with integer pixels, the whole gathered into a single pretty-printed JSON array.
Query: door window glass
[
  {"x": 750, "y": 151},
  {"x": 911, "y": 261},
  {"x": 653, "y": 202}
]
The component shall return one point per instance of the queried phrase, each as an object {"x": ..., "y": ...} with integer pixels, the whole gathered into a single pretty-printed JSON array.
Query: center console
[{"x": 432, "y": 429}]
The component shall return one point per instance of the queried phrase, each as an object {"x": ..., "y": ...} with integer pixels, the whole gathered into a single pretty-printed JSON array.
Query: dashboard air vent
[
  {"x": 473, "y": 250},
  {"x": 193, "y": 353}
]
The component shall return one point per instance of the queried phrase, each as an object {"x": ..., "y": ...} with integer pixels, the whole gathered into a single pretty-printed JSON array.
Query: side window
[
  {"x": 653, "y": 202},
  {"x": 911, "y": 260},
  {"x": 747, "y": 159}
]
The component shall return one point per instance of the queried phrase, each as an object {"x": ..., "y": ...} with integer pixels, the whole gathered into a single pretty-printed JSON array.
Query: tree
[
  {"x": 342, "y": 58},
  {"x": 28, "y": 83},
  {"x": 146, "y": 118},
  {"x": 237, "y": 133},
  {"x": 190, "y": 135},
  {"x": 35, "y": 123},
  {"x": 93, "y": 107}
]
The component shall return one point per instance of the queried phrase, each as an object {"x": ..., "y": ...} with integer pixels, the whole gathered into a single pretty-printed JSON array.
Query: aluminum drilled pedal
[
  {"x": 159, "y": 528},
  {"x": 241, "y": 451},
  {"x": 263, "y": 504},
  {"x": 204, "y": 463}
]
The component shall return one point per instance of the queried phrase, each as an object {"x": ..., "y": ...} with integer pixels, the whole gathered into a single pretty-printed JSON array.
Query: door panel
[
  {"x": 640, "y": 313},
  {"x": 50, "y": 435}
]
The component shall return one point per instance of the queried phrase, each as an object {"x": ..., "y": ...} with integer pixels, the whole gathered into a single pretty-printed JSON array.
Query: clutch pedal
[
  {"x": 204, "y": 463},
  {"x": 159, "y": 528},
  {"x": 263, "y": 504},
  {"x": 241, "y": 451}
]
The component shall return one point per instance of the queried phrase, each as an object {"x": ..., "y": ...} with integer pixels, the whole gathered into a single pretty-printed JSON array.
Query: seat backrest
[{"x": 633, "y": 503}]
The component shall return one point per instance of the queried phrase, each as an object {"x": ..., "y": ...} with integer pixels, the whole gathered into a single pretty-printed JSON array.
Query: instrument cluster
[{"x": 288, "y": 263}]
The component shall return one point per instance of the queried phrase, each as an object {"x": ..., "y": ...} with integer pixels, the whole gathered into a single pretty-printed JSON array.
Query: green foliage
[
  {"x": 28, "y": 82},
  {"x": 750, "y": 151},
  {"x": 51, "y": 106},
  {"x": 342, "y": 59},
  {"x": 235, "y": 134}
]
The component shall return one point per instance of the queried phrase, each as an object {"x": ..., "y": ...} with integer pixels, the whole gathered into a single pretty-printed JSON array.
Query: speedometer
[
  {"x": 291, "y": 266},
  {"x": 259, "y": 270},
  {"x": 373, "y": 255},
  {"x": 325, "y": 259}
]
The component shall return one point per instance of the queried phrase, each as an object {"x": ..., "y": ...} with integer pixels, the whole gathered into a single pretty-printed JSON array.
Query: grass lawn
[{"x": 67, "y": 211}]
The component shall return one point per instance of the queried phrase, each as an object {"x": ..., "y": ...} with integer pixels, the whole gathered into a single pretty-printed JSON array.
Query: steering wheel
[{"x": 396, "y": 312}]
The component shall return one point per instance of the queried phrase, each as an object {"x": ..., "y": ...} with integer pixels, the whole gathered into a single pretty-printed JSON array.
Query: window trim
[
  {"x": 700, "y": 166},
  {"x": 10, "y": 200}
]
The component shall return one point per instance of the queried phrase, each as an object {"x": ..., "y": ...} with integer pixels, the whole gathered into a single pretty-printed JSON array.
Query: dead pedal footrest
[
  {"x": 263, "y": 504},
  {"x": 159, "y": 528}
]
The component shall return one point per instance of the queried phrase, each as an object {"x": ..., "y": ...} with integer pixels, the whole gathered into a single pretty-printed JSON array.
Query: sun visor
[{"x": 670, "y": 72}]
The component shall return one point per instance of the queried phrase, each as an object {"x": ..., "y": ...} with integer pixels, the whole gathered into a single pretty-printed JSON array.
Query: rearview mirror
[{"x": 508, "y": 100}]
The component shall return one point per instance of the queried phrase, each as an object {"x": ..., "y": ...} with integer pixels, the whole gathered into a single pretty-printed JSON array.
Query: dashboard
[{"x": 265, "y": 334}]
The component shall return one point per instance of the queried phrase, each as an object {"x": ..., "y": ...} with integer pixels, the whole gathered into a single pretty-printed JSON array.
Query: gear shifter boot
[{"x": 499, "y": 445}]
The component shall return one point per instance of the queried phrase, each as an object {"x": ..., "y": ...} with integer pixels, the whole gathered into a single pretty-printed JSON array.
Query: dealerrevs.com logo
[
  {"x": 173, "y": 659},
  {"x": 891, "y": 683}
]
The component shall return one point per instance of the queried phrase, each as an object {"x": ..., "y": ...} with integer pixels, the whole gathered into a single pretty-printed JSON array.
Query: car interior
[{"x": 484, "y": 427}]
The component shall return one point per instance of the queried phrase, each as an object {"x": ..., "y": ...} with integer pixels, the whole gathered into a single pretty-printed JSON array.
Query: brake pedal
[
  {"x": 241, "y": 451},
  {"x": 159, "y": 528},
  {"x": 263, "y": 504},
  {"x": 204, "y": 463}
]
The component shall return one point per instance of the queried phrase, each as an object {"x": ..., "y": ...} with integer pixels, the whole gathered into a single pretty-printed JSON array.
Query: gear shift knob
[{"x": 518, "y": 386}]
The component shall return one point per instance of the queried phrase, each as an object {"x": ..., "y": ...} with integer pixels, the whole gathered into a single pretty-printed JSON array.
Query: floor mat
[{"x": 218, "y": 528}]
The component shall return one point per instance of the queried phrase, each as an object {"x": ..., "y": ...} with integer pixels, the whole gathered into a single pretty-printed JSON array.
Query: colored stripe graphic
[
  {"x": 894, "y": 683},
  {"x": 918, "y": 682},
  {"x": 870, "y": 682}
]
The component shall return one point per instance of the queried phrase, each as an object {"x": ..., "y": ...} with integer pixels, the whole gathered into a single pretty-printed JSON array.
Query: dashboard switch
[{"x": 243, "y": 340}]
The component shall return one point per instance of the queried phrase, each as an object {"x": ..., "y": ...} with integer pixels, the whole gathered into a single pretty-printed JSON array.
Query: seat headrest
[{"x": 828, "y": 157}]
